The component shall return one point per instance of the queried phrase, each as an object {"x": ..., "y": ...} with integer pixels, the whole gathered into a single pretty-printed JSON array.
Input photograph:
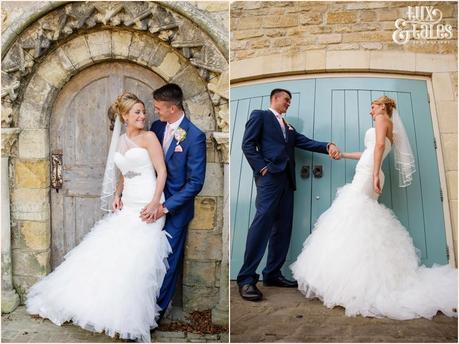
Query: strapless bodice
[
  {"x": 139, "y": 176},
  {"x": 363, "y": 178},
  {"x": 366, "y": 160},
  {"x": 134, "y": 162}
]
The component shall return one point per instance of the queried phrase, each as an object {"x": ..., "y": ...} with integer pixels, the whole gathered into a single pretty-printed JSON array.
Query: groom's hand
[
  {"x": 160, "y": 212},
  {"x": 333, "y": 151},
  {"x": 264, "y": 170},
  {"x": 148, "y": 214}
]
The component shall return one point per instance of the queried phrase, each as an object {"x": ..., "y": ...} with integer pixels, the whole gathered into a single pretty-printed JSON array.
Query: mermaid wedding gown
[
  {"x": 360, "y": 257},
  {"x": 111, "y": 280}
]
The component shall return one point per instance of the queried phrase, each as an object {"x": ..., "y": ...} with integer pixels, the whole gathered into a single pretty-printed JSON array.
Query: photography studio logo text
[{"x": 422, "y": 25}]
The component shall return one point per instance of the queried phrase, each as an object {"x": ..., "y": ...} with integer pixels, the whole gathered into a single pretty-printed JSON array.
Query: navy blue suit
[
  {"x": 263, "y": 145},
  {"x": 185, "y": 178}
]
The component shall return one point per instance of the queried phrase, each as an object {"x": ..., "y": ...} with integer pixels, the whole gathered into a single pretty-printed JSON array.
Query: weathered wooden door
[{"x": 79, "y": 130}]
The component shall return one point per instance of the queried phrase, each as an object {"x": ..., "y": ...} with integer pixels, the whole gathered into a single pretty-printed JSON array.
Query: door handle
[
  {"x": 317, "y": 171},
  {"x": 304, "y": 172},
  {"x": 56, "y": 169}
]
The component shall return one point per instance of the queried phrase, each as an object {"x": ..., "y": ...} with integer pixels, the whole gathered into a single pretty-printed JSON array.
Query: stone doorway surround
[
  {"x": 41, "y": 51},
  {"x": 440, "y": 70}
]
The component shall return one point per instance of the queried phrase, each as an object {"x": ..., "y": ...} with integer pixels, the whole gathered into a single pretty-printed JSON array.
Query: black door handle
[
  {"x": 317, "y": 171},
  {"x": 304, "y": 172}
]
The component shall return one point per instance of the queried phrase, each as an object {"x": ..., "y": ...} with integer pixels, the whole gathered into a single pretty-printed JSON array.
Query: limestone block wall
[
  {"x": 274, "y": 39},
  {"x": 219, "y": 10},
  {"x": 265, "y": 28}
]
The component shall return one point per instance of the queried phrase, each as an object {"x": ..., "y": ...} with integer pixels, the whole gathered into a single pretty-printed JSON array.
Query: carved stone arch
[
  {"x": 203, "y": 44},
  {"x": 90, "y": 48}
]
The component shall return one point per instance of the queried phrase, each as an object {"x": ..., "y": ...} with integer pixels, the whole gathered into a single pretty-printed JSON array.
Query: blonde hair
[
  {"x": 121, "y": 106},
  {"x": 389, "y": 103}
]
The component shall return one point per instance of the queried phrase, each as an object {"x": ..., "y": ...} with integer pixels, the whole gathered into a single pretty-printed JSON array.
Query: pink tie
[
  {"x": 167, "y": 137},
  {"x": 281, "y": 122}
]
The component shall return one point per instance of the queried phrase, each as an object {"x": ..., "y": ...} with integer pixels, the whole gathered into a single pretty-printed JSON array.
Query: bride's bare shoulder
[
  {"x": 149, "y": 137},
  {"x": 383, "y": 121}
]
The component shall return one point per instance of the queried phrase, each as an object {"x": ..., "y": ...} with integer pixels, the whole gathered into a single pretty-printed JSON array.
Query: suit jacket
[
  {"x": 263, "y": 144},
  {"x": 185, "y": 171}
]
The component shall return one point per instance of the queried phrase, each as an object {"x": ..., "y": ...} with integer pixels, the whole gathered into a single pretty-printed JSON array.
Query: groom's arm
[
  {"x": 303, "y": 142},
  {"x": 252, "y": 136},
  {"x": 196, "y": 170}
]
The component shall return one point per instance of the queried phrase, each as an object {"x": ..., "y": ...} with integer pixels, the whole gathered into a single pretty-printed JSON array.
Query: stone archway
[
  {"x": 57, "y": 46},
  {"x": 32, "y": 45}
]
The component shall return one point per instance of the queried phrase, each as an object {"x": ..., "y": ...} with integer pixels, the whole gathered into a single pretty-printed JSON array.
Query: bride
[
  {"x": 359, "y": 256},
  {"x": 111, "y": 280}
]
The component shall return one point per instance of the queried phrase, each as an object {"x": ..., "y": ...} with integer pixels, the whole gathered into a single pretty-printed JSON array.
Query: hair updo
[
  {"x": 389, "y": 103},
  {"x": 121, "y": 106}
]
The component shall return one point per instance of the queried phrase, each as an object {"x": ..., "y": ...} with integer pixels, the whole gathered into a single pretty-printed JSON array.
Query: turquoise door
[{"x": 337, "y": 109}]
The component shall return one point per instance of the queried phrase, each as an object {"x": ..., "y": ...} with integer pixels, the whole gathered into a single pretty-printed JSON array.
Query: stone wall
[
  {"x": 73, "y": 36},
  {"x": 275, "y": 39},
  {"x": 266, "y": 28},
  {"x": 201, "y": 270},
  {"x": 218, "y": 10}
]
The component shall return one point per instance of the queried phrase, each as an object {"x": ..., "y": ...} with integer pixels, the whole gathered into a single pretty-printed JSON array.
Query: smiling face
[
  {"x": 281, "y": 102},
  {"x": 135, "y": 117},
  {"x": 167, "y": 111},
  {"x": 377, "y": 109}
]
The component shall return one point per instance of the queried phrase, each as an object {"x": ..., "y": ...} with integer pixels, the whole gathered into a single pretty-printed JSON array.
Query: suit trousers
[
  {"x": 272, "y": 224},
  {"x": 177, "y": 242}
]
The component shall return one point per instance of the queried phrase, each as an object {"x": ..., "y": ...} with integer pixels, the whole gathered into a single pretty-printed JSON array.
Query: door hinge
[
  {"x": 447, "y": 252},
  {"x": 435, "y": 143},
  {"x": 428, "y": 98},
  {"x": 441, "y": 195}
]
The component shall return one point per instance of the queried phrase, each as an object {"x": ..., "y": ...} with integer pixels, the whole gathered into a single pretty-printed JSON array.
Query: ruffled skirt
[
  {"x": 359, "y": 256},
  {"x": 110, "y": 281}
]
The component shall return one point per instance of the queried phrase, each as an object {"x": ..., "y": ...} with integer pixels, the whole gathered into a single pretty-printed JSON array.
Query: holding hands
[
  {"x": 334, "y": 152},
  {"x": 152, "y": 212}
]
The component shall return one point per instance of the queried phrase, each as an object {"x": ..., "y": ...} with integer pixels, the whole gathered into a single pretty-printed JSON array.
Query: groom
[
  {"x": 184, "y": 147},
  {"x": 268, "y": 144}
]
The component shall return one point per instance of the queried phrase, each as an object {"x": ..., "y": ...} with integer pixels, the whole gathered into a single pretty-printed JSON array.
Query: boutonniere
[
  {"x": 288, "y": 124},
  {"x": 180, "y": 136}
]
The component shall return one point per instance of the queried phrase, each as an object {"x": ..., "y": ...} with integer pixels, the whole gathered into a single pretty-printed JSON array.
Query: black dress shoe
[
  {"x": 280, "y": 281},
  {"x": 250, "y": 292},
  {"x": 161, "y": 316}
]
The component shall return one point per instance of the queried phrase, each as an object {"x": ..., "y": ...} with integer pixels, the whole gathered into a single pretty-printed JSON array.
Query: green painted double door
[{"x": 337, "y": 109}]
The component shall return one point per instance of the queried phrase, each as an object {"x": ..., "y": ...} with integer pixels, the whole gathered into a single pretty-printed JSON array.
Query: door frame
[
  {"x": 58, "y": 119},
  {"x": 435, "y": 127}
]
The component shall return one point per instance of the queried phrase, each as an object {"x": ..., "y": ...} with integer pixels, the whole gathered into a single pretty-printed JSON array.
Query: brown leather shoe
[{"x": 250, "y": 292}]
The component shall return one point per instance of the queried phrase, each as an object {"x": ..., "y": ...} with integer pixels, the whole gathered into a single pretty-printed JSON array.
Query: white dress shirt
[
  {"x": 280, "y": 120},
  {"x": 174, "y": 126}
]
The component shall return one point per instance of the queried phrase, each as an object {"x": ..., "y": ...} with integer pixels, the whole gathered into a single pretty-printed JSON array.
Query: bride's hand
[
  {"x": 148, "y": 214},
  {"x": 376, "y": 184},
  {"x": 117, "y": 203}
]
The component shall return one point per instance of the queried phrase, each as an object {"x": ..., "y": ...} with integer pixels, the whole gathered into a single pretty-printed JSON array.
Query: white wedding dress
[
  {"x": 111, "y": 280},
  {"x": 359, "y": 256}
]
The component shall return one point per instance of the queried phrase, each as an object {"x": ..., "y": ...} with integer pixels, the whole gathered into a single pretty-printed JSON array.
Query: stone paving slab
[
  {"x": 284, "y": 315},
  {"x": 20, "y": 327}
]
